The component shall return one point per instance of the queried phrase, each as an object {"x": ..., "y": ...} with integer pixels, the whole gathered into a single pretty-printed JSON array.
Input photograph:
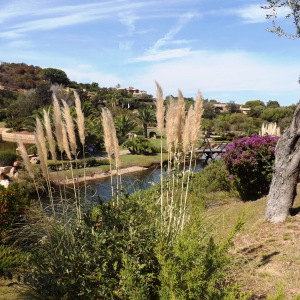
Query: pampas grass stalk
[
  {"x": 108, "y": 143},
  {"x": 57, "y": 118},
  {"x": 70, "y": 127},
  {"x": 72, "y": 140},
  {"x": 50, "y": 135},
  {"x": 42, "y": 151},
  {"x": 25, "y": 157},
  {"x": 116, "y": 150},
  {"x": 41, "y": 147},
  {"x": 160, "y": 115},
  {"x": 160, "y": 110},
  {"x": 57, "y": 123},
  {"x": 198, "y": 117},
  {"x": 187, "y": 130},
  {"x": 181, "y": 116},
  {"x": 81, "y": 130},
  {"x": 68, "y": 152},
  {"x": 80, "y": 119}
]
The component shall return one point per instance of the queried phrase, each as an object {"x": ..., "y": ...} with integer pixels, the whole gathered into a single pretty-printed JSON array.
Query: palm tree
[
  {"x": 124, "y": 124},
  {"x": 146, "y": 116}
]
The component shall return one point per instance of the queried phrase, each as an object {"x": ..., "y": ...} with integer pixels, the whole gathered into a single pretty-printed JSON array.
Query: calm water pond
[{"x": 132, "y": 182}]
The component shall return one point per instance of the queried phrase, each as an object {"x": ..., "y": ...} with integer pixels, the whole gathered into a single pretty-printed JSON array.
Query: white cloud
[
  {"x": 144, "y": 31},
  {"x": 163, "y": 55},
  {"x": 68, "y": 15},
  {"x": 171, "y": 33},
  {"x": 255, "y": 14},
  {"x": 104, "y": 80},
  {"x": 128, "y": 19},
  {"x": 84, "y": 67},
  {"x": 125, "y": 45},
  {"x": 216, "y": 72},
  {"x": 21, "y": 44}
]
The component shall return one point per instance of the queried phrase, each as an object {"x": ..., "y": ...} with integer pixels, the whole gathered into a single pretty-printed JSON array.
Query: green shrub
[
  {"x": 91, "y": 161},
  {"x": 14, "y": 202},
  {"x": 219, "y": 138},
  {"x": 195, "y": 267},
  {"x": 110, "y": 254},
  {"x": 214, "y": 178},
  {"x": 7, "y": 158},
  {"x": 119, "y": 253},
  {"x": 32, "y": 150},
  {"x": 139, "y": 145}
]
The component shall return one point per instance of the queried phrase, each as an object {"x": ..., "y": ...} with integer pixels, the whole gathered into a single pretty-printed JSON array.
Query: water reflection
[{"x": 132, "y": 182}]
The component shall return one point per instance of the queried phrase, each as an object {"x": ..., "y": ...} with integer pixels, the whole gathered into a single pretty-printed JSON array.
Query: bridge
[{"x": 212, "y": 149}]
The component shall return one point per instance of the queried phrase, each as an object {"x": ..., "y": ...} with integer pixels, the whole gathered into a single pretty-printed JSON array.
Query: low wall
[{"x": 10, "y": 136}]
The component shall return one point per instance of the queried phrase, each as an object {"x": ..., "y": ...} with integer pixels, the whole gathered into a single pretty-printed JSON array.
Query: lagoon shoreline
[{"x": 103, "y": 175}]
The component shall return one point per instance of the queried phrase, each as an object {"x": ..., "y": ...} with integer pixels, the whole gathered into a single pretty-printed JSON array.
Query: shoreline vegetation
[{"x": 188, "y": 237}]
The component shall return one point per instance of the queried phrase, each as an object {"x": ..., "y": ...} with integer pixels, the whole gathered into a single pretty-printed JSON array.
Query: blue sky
[{"x": 219, "y": 47}]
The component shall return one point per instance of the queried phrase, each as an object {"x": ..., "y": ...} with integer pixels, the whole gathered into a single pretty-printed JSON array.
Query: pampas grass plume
[
  {"x": 160, "y": 110},
  {"x": 188, "y": 126},
  {"x": 80, "y": 118},
  {"x": 181, "y": 115},
  {"x": 115, "y": 142},
  {"x": 197, "y": 119},
  {"x": 25, "y": 157},
  {"x": 107, "y": 132},
  {"x": 41, "y": 147},
  {"x": 49, "y": 135},
  {"x": 70, "y": 127},
  {"x": 171, "y": 127},
  {"x": 65, "y": 141},
  {"x": 57, "y": 123}
]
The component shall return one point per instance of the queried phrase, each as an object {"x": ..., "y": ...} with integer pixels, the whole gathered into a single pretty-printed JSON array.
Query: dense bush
[
  {"x": 7, "y": 158},
  {"x": 120, "y": 253},
  {"x": 249, "y": 161},
  {"x": 14, "y": 202},
  {"x": 140, "y": 145},
  {"x": 111, "y": 256},
  {"x": 213, "y": 178}
]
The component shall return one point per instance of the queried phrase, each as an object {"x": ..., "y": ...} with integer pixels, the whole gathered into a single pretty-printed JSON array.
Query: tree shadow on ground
[
  {"x": 267, "y": 258},
  {"x": 294, "y": 211}
]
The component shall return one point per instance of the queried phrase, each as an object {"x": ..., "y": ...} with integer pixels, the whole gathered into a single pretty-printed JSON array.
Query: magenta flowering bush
[{"x": 250, "y": 162}]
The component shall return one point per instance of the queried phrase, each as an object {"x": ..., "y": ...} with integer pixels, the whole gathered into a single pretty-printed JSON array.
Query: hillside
[
  {"x": 265, "y": 255},
  {"x": 19, "y": 76}
]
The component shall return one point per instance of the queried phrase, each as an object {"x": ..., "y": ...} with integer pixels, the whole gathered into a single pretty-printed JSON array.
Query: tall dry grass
[
  {"x": 111, "y": 146},
  {"x": 182, "y": 133}
]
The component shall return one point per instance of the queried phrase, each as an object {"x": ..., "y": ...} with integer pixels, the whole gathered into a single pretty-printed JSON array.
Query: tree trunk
[
  {"x": 145, "y": 129},
  {"x": 286, "y": 172}
]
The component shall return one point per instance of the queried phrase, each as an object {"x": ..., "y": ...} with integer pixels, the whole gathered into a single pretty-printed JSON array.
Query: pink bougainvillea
[{"x": 250, "y": 162}]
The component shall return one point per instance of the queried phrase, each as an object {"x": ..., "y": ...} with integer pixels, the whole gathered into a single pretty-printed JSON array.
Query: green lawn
[
  {"x": 128, "y": 160},
  {"x": 2, "y": 124}
]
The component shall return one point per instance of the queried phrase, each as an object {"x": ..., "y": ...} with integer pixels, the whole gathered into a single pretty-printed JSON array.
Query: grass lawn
[
  {"x": 2, "y": 124},
  {"x": 9, "y": 293},
  {"x": 127, "y": 160},
  {"x": 265, "y": 255}
]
